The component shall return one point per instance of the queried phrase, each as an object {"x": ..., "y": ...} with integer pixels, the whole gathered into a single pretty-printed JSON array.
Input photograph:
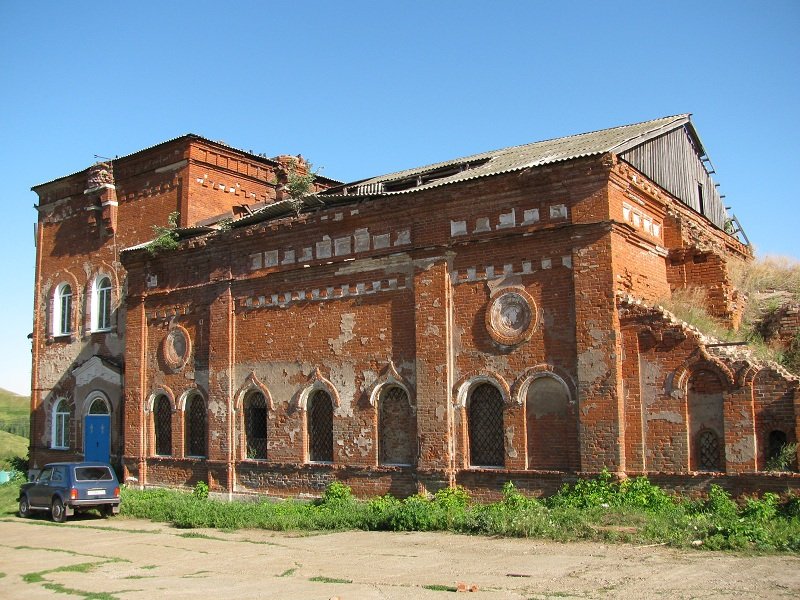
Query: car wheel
[
  {"x": 107, "y": 511},
  {"x": 24, "y": 507},
  {"x": 57, "y": 511}
]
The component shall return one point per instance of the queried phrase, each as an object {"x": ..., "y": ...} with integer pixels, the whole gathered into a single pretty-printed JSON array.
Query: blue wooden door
[{"x": 97, "y": 436}]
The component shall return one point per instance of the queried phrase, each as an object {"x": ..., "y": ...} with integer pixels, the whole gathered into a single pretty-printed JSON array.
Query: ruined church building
[{"x": 485, "y": 319}]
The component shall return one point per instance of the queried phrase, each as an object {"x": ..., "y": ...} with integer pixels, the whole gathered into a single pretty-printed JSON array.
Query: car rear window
[{"x": 93, "y": 474}]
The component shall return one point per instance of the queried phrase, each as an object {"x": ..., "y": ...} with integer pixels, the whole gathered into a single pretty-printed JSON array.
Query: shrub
[{"x": 200, "y": 490}]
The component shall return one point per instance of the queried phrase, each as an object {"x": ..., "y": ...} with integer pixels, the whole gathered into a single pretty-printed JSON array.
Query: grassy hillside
[
  {"x": 14, "y": 413},
  {"x": 10, "y": 446},
  {"x": 767, "y": 285},
  {"x": 14, "y": 426}
]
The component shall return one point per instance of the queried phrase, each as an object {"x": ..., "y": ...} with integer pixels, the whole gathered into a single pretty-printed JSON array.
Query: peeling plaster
[
  {"x": 743, "y": 450},
  {"x": 396, "y": 263},
  {"x": 348, "y": 321},
  {"x": 512, "y": 452},
  {"x": 431, "y": 329},
  {"x": 343, "y": 378},
  {"x": 592, "y": 365},
  {"x": 441, "y": 412},
  {"x": 292, "y": 432},
  {"x": 666, "y": 415}
]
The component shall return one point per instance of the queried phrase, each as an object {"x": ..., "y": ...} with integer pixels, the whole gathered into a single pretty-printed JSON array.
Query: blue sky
[{"x": 363, "y": 88}]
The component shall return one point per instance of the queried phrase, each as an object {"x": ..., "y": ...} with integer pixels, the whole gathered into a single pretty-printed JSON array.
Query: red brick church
[{"x": 484, "y": 319}]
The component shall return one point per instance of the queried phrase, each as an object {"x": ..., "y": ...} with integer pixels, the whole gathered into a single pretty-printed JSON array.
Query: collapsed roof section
[{"x": 667, "y": 150}]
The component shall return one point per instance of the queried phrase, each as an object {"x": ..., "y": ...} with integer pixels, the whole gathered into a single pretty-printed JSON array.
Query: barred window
[
  {"x": 60, "y": 434},
  {"x": 162, "y": 421},
  {"x": 708, "y": 448},
  {"x": 195, "y": 415},
  {"x": 485, "y": 417},
  {"x": 397, "y": 429},
  {"x": 255, "y": 426},
  {"x": 320, "y": 427}
]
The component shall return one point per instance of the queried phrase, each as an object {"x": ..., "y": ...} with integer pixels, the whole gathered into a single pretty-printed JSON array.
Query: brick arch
[
  {"x": 390, "y": 377},
  {"x": 317, "y": 382},
  {"x": 161, "y": 390},
  {"x": 59, "y": 278},
  {"x": 523, "y": 382},
  {"x": 180, "y": 404},
  {"x": 472, "y": 380},
  {"x": 252, "y": 384},
  {"x": 704, "y": 362}
]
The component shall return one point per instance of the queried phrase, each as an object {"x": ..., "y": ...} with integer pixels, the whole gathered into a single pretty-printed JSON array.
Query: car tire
[
  {"x": 107, "y": 511},
  {"x": 24, "y": 507},
  {"x": 57, "y": 512}
]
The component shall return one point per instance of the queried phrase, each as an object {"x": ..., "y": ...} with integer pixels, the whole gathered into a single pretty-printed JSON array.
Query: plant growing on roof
[
  {"x": 298, "y": 184},
  {"x": 166, "y": 237}
]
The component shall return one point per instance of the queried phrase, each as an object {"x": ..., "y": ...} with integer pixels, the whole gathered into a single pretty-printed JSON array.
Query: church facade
[{"x": 485, "y": 319}]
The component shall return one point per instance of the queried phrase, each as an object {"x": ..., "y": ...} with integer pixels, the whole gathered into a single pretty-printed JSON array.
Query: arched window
[
  {"x": 62, "y": 310},
  {"x": 706, "y": 422},
  {"x": 99, "y": 407},
  {"x": 485, "y": 418},
  {"x": 551, "y": 425},
  {"x": 60, "y": 435},
  {"x": 320, "y": 427},
  {"x": 255, "y": 426},
  {"x": 397, "y": 428},
  {"x": 101, "y": 304},
  {"x": 162, "y": 422},
  {"x": 195, "y": 430}
]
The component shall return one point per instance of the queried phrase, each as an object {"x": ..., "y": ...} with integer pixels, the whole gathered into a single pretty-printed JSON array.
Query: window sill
[
  {"x": 61, "y": 448},
  {"x": 109, "y": 330}
]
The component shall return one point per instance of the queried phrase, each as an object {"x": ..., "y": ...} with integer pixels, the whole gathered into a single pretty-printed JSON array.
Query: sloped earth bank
[{"x": 128, "y": 559}]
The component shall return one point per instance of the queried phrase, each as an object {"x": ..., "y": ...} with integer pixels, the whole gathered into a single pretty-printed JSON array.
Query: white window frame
[
  {"x": 62, "y": 317},
  {"x": 59, "y": 439},
  {"x": 101, "y": 304}
]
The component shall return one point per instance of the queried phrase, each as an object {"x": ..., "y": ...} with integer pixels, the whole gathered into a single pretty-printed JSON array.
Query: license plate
[{"x": 96, "y": 493}]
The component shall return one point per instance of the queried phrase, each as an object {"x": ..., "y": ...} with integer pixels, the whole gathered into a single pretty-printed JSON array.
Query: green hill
[
  {"x": 11, "y": 445},
  {"x": 14, "y": 413}
]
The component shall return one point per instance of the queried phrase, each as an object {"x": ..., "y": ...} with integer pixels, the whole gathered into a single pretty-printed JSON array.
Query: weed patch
[
  {"x": 601, "y": 508},
  {"x": 435, "y": 587},
  {"x": 322, "y": 579}
]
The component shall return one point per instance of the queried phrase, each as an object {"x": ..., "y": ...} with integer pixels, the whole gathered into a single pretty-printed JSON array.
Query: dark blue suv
[{"x": 65, "y": 487}]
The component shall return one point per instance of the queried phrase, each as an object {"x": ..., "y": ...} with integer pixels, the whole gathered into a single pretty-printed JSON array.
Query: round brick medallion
[
  {"x": 511, "y": 317},
  {"x": 176, "y": 348}
]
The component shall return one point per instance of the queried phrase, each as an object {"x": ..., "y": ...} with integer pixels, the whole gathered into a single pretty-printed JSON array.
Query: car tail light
[
  {"x": 73, "y": 494},
  {"x": 116, "y": 492}
]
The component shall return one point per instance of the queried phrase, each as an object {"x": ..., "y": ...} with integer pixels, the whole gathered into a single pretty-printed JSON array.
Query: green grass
[
  {"x": 436, "y": 587},
  {"x": 11, "y": 446},
  {"x": 14, "y": 413},
  {"x": 602, "y": 509},
  {"x": 14, "y": 427},
  {"x": 322, "y": 579}
]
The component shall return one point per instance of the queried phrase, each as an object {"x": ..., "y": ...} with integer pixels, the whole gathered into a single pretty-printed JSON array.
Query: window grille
[
  {"x": 397, "y": 429},
  {"x": 163, "y": 426},
  {"x": 255, "y": 426},
  {"x": 320, "y": 427},
  {"x": 486, "y": 447},
  {"x": 196, "y": 427},
  {"x": 708, "y": 443}
]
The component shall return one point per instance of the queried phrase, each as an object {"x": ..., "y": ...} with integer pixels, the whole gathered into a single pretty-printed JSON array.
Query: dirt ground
[{"x": 131, "y": 559}]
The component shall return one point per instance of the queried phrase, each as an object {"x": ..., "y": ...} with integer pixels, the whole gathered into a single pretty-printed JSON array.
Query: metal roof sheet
[{"x": 517, "y": 158}]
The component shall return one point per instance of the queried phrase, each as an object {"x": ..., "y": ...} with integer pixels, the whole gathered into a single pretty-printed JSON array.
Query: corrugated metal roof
[{"x": 517, "y": 157}]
